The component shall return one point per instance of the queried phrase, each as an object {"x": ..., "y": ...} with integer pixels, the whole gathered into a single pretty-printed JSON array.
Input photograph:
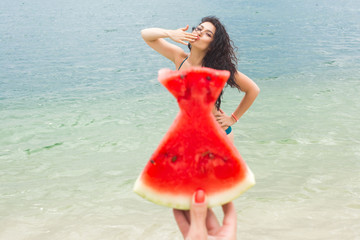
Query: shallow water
[{"x": 81, "y": 111}]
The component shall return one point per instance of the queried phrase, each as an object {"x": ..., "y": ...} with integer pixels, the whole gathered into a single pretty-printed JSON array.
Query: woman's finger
[
  {"x": 229, "y": 215},
  {"x": 185, "y": 28},
  {"x": 220, "y": 120},
  {"x": 198, "y": 211},
  {"x": 191, "y": 35},
  {"x": 212, "y": 223},
  {"x": 182, "y": 221},
  {"x": 189, "y": 39}
]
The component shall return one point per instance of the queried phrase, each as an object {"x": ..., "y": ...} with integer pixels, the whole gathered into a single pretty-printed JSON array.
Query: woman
[{"x": 210, "y": 46}]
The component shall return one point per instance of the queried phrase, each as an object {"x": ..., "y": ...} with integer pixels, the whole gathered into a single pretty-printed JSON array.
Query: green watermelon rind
[{"x": 183, "y": 201}]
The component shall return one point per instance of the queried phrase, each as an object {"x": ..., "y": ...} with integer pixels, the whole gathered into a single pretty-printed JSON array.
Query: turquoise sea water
[{"x": 81, "y": 111}]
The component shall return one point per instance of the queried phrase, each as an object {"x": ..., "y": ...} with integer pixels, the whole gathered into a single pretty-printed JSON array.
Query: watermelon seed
[
  {"x": 153, "y": 162},
  {"x": 182, "y": 76},
  {"x": 205, "y": 153},
  {"x": 173, "y": 159},
  {"x": 209, "y": 154},
  {"x": 208, "y": 78}
]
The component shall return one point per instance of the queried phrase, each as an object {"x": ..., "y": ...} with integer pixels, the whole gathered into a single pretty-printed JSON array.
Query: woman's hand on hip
[{"x": 224, "y": 120}]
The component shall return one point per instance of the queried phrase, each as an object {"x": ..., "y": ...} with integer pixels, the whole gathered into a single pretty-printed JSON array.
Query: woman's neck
[{"x": 196, "y": 58}]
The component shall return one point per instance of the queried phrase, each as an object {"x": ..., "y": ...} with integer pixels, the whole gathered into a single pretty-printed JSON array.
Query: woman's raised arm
[{"x": 154, "y": 37}]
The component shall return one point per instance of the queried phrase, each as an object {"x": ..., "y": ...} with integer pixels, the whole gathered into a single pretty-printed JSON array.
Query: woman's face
[{"x": 205, "y": 32}]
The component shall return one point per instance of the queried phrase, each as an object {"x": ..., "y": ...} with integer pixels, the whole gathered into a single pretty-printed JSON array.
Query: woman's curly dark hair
[{"x": 221, "y": 54}]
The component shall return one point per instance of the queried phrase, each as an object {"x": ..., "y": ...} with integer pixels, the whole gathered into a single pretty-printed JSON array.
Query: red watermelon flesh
[{"x": 195, "y": 153}]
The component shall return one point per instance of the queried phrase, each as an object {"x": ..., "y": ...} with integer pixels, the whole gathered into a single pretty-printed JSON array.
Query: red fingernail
[{"x": 199, "y": 196}]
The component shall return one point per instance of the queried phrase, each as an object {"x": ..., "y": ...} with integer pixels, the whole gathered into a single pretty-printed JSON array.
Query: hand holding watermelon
[{"x": 201, "y": 222}]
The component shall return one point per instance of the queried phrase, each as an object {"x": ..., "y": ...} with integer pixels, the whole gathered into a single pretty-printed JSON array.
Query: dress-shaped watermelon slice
[{"x": 195, "y": 153}]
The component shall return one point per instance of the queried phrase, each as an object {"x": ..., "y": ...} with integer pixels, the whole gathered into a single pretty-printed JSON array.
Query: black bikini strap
[{"x": 182, "y": 63}]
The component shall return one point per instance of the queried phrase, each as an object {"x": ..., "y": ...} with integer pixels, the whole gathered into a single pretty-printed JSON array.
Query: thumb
[
  {"x": 198, "y": 211},
  {"x": 185, "y": 28}
]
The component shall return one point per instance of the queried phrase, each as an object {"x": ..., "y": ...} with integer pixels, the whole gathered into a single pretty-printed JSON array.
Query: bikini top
[{"x": 182, "y": 63}]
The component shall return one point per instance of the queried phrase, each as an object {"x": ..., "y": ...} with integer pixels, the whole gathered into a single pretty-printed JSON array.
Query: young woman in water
[{"x": 210, "y": 46}]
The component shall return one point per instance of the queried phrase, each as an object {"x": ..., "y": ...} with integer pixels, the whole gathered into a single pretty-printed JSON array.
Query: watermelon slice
[{"x": 195, "y": 153}]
